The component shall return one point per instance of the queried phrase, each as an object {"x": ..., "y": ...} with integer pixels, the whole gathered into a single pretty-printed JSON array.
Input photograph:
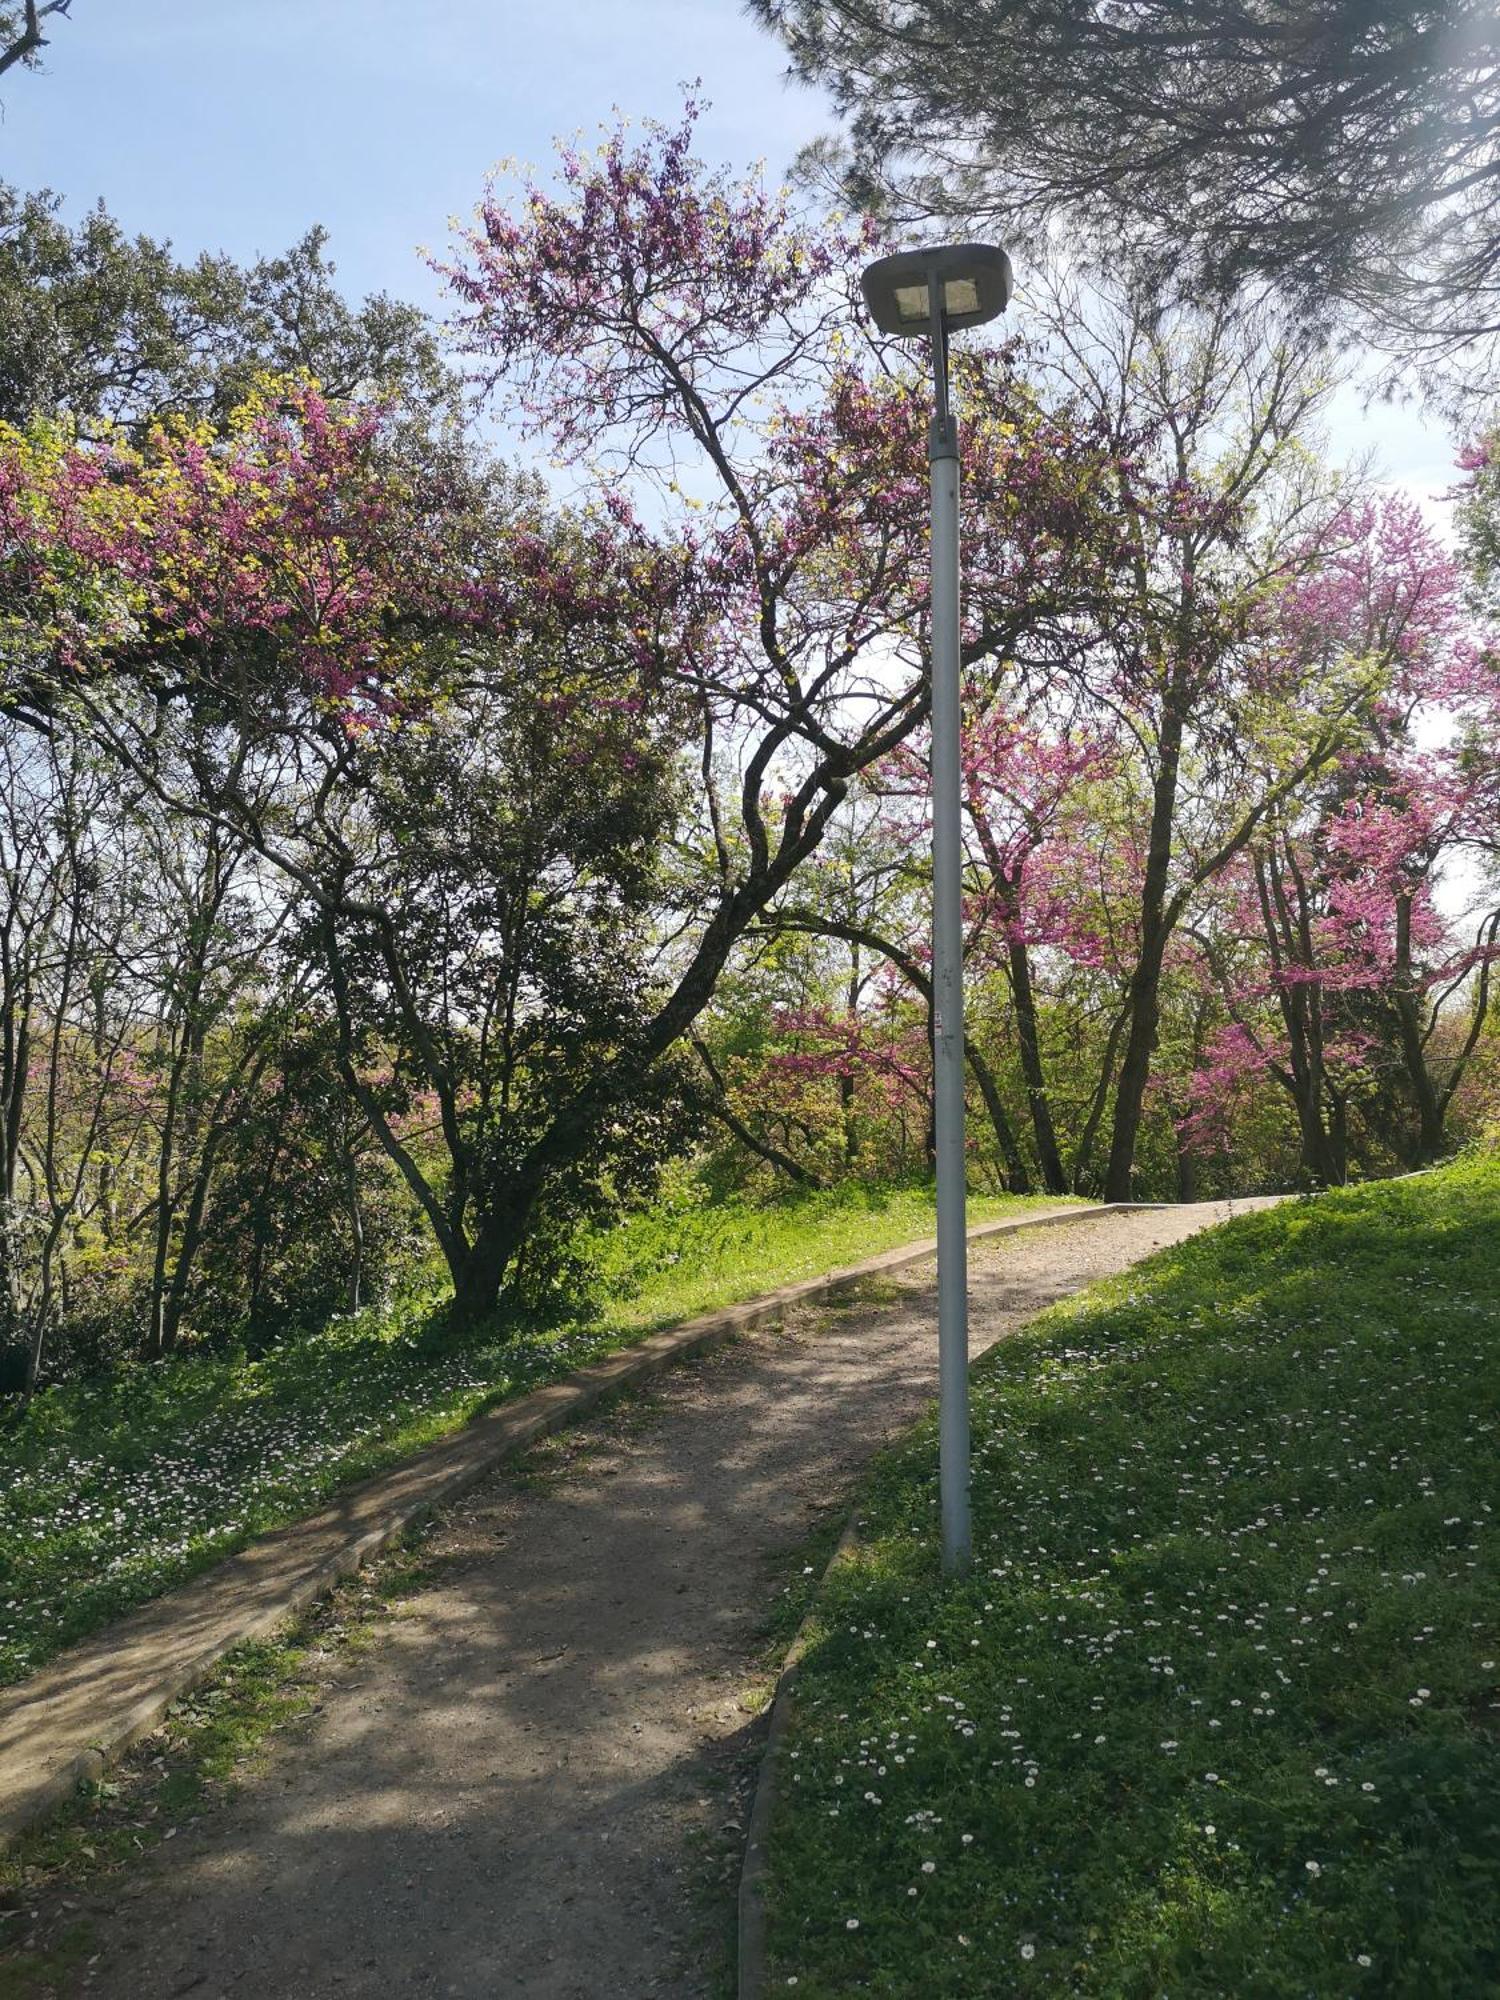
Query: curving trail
[{"x": 501, "y": 1794}]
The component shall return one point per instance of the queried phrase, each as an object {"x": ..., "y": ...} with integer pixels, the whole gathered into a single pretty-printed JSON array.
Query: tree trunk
[
  {"x": 846, "y": 1081},
  {"x": 847, "y": 1119},
  {"x": 356, "y": 1231},
  {"x": 481, "y": 1266},
  {"x": 166, "y": 1160},
  {"x": 1431, "y": 1120},
  {"x": 1023, "y": 995},
  {"x": 261, "y": 1208},
  {"x": 481, "y": 1273},
  {"x": 17, "y": 1056},
  {"x": 1145, "y": 981},
  {"x": 1306, "y": 1083},
  {"x": 1187, "y": 1171},
  {"x": 1013, "y": 1161},
  {"x": 42, "y": 1310},
  {"x": 762, "y": 1148},
  {"x": 929, "y": 1102},
  {"x": 1083, "y": 1158},
  {"x": 191, "y": 1238}
]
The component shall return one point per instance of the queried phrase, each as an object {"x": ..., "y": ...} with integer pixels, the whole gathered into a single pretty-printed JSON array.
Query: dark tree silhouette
[
  {"x": 1346, "y": 152},
  {"x": 21, "y": 36}
]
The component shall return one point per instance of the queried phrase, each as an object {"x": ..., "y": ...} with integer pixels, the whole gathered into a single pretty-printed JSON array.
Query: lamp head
[{"x": 973, "y": 282}]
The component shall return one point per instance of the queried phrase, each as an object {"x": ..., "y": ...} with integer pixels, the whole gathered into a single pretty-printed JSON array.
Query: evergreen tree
[{"x": 1343, "y": 152}]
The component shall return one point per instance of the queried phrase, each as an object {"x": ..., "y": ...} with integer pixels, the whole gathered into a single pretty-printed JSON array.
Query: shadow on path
[{"x": 501, "y": 1799}]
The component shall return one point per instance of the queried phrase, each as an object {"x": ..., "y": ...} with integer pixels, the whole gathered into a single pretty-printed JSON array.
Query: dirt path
[{"x": 501, "y": 1797}]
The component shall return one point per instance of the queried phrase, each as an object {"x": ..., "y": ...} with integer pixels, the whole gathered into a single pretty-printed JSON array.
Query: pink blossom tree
[
  {"x": 739, "y": 603},
  {"x": 1359, "y": 958},
  {"x": 694, "y": 339}
]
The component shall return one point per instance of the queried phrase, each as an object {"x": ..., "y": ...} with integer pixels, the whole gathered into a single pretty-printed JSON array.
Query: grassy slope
[
  {"x": 113, "y": 1492},
  {"x": 1217, "y": 1713}
]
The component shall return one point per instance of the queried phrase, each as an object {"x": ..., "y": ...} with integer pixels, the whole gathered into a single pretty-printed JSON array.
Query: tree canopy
[
  {"x": 392, "y": 854},
  {"x": 115, "y": 329},
  {"x": 1346, "y": 152}
]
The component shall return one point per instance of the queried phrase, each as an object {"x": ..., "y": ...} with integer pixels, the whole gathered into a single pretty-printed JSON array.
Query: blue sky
[{"x": 235, "y": 124}]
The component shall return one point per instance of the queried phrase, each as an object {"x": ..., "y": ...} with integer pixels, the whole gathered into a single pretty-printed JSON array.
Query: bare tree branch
[{"x": 22, "y": 47}]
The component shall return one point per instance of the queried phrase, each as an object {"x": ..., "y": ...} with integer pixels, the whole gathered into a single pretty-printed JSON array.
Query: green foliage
[
  {"x": 1315, "y": 149},
  {"x": 306, "y": 1218},
  {"x": 113, "y": 328},
  {"x": 1215, "y": 1713},
  {"x": 695, "y": 1249},
  {"x": 484, "y": 908},
  {"x": 1478, "y": 518}
]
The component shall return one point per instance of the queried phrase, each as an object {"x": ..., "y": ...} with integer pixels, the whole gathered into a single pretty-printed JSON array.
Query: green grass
[
  {"x": 692, "y": 1253},
  {"x": 1218, "y": 1711},
  {"x": 113, "y": 1491}
]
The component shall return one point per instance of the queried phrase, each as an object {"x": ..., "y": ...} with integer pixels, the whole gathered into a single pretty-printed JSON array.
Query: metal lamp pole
[
  {"x": 960, "y": 285},
  {"x": 948, "y": 972}
]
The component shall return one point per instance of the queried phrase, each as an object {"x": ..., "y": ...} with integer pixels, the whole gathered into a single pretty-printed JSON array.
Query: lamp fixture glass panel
[
  {"x": 960, "y": 295},
  {"x": 972, "y": 280}
]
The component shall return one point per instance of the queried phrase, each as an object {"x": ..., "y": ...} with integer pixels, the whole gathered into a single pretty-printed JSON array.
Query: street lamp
[{"x": 929, "y": 294}]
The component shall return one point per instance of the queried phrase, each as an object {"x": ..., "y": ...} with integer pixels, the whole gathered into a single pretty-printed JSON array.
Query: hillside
[{"x": 1216, "y": 1713}]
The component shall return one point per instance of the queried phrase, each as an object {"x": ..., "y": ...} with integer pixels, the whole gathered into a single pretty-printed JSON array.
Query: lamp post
[{"x": 929, "y": 294}]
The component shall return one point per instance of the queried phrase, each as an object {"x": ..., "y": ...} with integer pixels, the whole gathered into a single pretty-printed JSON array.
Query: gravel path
[{"x": 501, "y": 1796}]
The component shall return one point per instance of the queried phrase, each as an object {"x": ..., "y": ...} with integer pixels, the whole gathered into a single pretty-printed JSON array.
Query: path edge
[
  {"x": 751, "y": 1958},
  {"x": 751, "y": 1961},
  {"x": 475, "y": 1450}
]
